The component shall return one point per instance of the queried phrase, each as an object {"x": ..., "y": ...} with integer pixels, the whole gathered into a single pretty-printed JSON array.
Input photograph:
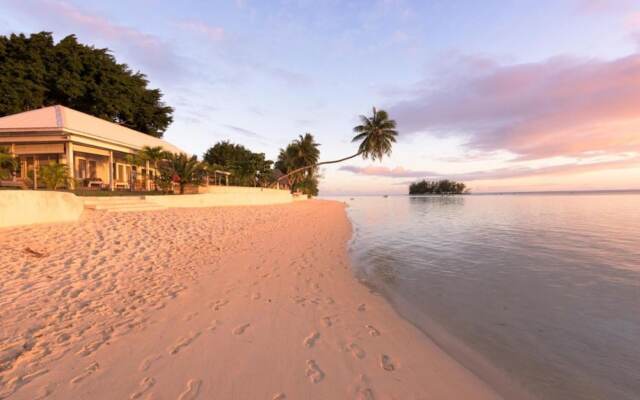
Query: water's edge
[{"x": 461, "y": 353}]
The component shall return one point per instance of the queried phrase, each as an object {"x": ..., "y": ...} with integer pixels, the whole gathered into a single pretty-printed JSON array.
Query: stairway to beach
[{"x": 121, "y": 204}]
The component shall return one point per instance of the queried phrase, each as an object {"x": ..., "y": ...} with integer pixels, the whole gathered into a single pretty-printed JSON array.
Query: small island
[{"x": 442, "y": 187}]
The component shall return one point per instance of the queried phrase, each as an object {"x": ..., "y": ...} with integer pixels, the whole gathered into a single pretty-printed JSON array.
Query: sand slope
[{"x": 218, "y": 303}]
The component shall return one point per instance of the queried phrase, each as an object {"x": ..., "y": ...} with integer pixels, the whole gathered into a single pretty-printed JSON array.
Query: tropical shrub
[{"x": 54, "y": 175}]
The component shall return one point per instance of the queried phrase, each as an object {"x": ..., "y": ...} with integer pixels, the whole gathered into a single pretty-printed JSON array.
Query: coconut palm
[
  {"x": 153, "y": 154},
  {"x": 376, "y": 135},
  {"x": 296, "y": 158},
  {"x": 185, "y": 169}
]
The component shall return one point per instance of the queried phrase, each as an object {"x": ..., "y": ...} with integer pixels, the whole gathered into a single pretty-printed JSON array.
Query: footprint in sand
[
  {"x": 145, "y": 384},
  {"x": 192, "y": 390},
  {"x": 362, "y": 389},
  {"x": 182, "y": 343},
  {"x": 357, "y": 351},
  {"x": 372, "y": 330},
  {"x": 314, "y": 373},
  {"x": 362, "y": 307},
  {"x": 216, "y": 306},
  {"x": 279, "y": 396},
  {"x": 327, "y": 321},
  {"x": 191, "y": 316},
  {"x": 386, "y": 363},
  {"x": 310, "y": 340},
  {"x": 239, "y": 330},
  {"x": 214, "y": 325},
  {"x": 90, "y": 370},
  {"x": 146, "y": 363}
]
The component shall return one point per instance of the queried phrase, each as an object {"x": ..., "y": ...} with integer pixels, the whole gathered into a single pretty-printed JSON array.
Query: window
[
  {"x": 82, "y": 168},
  {"x": 120, "y": 173},
  {"x": 93, "y": 169}
]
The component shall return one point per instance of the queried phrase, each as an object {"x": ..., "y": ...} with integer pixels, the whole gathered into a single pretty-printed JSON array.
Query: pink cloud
[
  {"x": 560, "y": 107},
  {"x": 63, "y": 17},
  {"x": 515, "y": 171}
]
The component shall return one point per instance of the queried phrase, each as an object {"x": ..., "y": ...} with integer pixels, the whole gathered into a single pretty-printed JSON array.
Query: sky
[{"x": 519, "y": 95}]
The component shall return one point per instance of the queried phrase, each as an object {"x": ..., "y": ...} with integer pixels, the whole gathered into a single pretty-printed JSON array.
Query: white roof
[{"x": 60, "y": 118}]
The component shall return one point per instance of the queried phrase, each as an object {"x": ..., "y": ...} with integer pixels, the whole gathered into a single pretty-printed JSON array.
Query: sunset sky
[{"x": 504, "y": 95}]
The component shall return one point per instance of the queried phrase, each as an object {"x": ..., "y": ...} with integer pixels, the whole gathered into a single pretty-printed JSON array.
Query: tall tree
[
  {"x": 376, "y": 135},
  {"x": 293, "y": 160},
  {"x": 36, "y": 72},
  {"x": 245, "y": 166}
]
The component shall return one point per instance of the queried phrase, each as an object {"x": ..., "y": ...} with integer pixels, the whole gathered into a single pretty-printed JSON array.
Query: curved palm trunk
[{"x": 295, "y": 171}]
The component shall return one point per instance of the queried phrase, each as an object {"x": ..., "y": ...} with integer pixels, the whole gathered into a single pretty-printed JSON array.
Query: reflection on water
[{"x": 544, "y": 287}]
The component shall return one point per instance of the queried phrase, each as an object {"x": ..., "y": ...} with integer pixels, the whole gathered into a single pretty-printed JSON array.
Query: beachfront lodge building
[{"x": 98, "y": 152}]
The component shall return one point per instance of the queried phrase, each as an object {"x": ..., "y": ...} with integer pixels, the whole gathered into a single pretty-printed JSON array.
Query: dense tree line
[
  {"x": 36, "y": 72},
  {"x": 443, "y": 186},
  {"x": 247, "y": 168}
]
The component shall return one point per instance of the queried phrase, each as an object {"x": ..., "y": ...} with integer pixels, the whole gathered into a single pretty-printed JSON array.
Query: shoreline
[{"x": 240, "y": 302}]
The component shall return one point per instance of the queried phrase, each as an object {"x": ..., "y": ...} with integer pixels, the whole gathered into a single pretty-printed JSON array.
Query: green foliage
[
  {"x": 54, "y": 175},
  {"x": 153, "y": 154},
  {"x": 183, "y": 169},
  {"x": 36, "y": 72},
  {"x": 8, "y": 163},
  {"x": 444, "y": 186},
  {"x": 376, "y": 134},
  {"x": 298, "y": 160},
  {"x": 247, "y": 168}
]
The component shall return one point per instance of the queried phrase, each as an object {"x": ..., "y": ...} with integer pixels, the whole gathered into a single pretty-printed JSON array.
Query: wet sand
[{"x": 218, "y": 303}]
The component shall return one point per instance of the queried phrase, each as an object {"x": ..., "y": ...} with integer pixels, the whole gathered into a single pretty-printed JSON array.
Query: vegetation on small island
[
  {"x": 36, "y": 72},
  {"x": 442, "y": 187}
]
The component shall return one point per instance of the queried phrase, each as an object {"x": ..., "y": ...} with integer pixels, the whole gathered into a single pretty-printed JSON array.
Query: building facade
[{"x": 98, "y": 153}]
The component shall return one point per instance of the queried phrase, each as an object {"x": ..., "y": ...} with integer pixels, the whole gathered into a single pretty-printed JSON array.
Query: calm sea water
[{"x": 537, "y": 294}]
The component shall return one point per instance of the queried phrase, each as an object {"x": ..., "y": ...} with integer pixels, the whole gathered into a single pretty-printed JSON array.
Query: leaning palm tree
[{"x": 376, "y": 135}]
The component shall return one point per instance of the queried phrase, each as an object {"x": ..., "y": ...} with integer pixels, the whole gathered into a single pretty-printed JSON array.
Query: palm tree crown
[{"x": 377, "y": 134}]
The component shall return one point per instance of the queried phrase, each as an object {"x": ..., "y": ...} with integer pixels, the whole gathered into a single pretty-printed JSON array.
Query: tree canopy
[
  {"x": 245, "y": 166},
  {"x": 293, "y": 161},
  {"x": 37, "y": 72},
  {"x": 443, "y": 186}
]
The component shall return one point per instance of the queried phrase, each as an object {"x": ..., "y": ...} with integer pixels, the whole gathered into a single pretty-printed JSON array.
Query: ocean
[{"x": 537, "y": 294}]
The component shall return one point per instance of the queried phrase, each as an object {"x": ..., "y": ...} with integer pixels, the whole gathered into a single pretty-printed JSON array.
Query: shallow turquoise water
[{"x": 543, "y": 290}]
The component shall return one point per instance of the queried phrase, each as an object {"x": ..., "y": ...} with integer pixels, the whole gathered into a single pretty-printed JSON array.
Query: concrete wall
[
  {"x": 216, "y": 196},
  {"x": 26, "y": 207}
]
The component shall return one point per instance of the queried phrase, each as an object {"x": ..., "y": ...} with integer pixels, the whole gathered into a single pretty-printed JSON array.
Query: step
[
  {"x": 147, "y": 207},
  {"x": 116, "y": 204},
  {"x": 115, "y": 201}
]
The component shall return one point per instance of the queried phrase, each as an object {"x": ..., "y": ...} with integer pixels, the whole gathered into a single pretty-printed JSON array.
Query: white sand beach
[{"x": 210, "y": 303}]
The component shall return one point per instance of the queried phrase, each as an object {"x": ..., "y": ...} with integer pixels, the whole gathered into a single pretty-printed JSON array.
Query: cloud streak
[
  {"x": 560, "y": 107},
  {"x": 244, "y": 132},
  {"x": 626, "y": 161}
]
